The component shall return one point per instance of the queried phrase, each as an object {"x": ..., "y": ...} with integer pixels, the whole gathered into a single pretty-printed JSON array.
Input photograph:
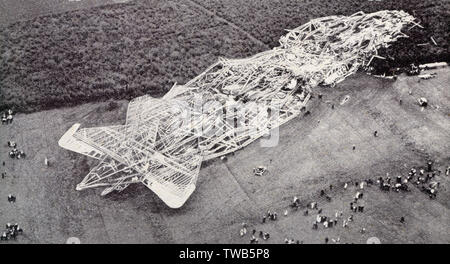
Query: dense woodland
[
  {"x": 118, "y": 51},
  {"x": 143, "y": 47}
]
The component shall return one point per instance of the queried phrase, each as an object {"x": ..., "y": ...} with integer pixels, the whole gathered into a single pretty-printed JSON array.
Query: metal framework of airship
[{"x": 231, "y": 104}]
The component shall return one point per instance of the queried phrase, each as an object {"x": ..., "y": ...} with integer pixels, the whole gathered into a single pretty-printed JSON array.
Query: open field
[
  {"x": 310, "y": 156},
  {"x": 125, "y": 50}
]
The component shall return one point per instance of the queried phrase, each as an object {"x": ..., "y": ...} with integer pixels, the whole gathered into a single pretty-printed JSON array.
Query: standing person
[
  {"x": 315, "y": 226},
  {"x": 4, "y": 120},
  {"x": 11, "y": 198},
  {"x": 9, "y": 119},
  {"x": 12, "y": 233}
]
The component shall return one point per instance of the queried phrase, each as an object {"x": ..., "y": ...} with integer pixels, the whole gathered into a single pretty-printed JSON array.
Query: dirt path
[{"x": 233, "y": 25}]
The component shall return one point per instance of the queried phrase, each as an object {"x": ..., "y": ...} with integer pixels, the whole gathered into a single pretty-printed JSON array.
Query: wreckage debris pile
[{"x": 229, "y": 105}]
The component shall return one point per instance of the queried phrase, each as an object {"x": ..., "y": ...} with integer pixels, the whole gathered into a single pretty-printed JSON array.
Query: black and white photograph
[{"x": 225, "y": 122}]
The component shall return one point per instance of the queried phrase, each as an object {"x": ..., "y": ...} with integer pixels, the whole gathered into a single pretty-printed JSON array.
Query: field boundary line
[{"x": 233, "y": 25}]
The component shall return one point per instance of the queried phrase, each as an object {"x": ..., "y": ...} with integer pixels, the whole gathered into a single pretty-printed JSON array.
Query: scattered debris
[
  {"x": 346, "y": 98},
  {"x": 416, "y": 24},
  {"x": 427, "y": 76},
  {"x": 259, "y": 171},
  {"x": 433, "y": 65},
  {"x": 434, "y": 41}
]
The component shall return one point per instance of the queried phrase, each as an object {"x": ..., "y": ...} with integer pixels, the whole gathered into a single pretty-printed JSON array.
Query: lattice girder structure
[{"x": 231, "y": 104}]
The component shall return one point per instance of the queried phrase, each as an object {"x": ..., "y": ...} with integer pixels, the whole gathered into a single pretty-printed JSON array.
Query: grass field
[
  {"x": 124, "y": 50},
  {"x": 310, "y": 156}
]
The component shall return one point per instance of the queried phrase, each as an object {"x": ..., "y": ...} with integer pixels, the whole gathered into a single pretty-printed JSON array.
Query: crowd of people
[
  {"x": 7, "y": 117},
  {"x": 423, "y": 178},
  {"x": 14, "y": 152},
  {"x": 11, "y": 231}
]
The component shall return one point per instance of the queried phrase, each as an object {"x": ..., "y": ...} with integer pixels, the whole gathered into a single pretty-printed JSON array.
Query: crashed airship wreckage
[{"x": 232, "y": 103}]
